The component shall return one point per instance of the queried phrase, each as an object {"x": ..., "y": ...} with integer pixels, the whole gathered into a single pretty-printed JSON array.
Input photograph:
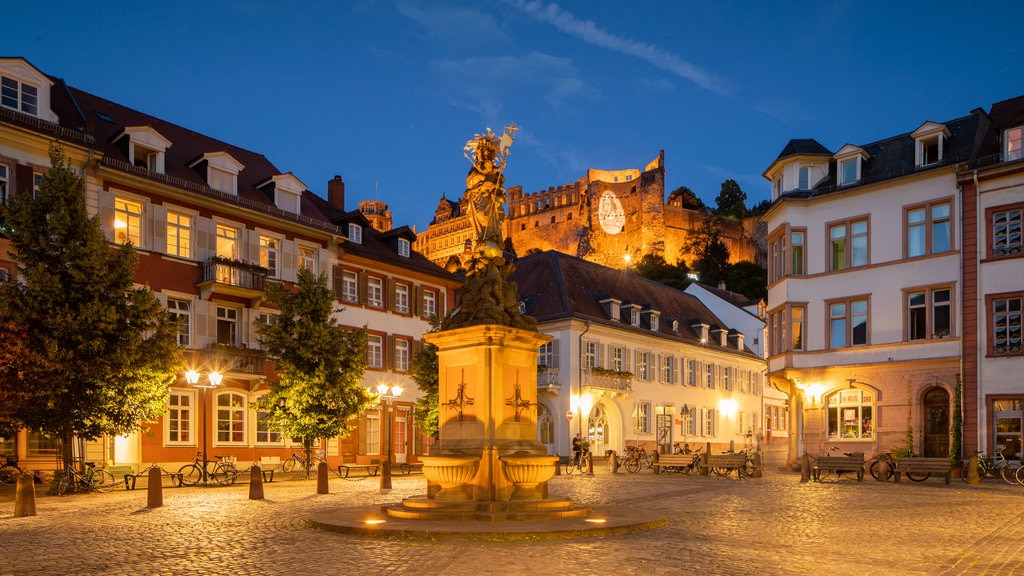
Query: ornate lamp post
[
  {"x": 387, "y": 393},
  {"x": 213, "y": 380}
]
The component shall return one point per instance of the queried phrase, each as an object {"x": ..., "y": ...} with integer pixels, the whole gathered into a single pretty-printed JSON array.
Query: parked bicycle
[
  {"x": 580, "y": 463},
  {"x": 746, "y": 470},
  {"x": 296, "y": 462},
  {"x": 636, "y": 458},
  {"x": 823, "y": 474},
  {"x": 91, "y": 479},
  {"x": 9, "y": 470},
  {"x": 218, "y": 471},
  {"x": 990, "y": 467},
  {"x": 875, "y": 465}
]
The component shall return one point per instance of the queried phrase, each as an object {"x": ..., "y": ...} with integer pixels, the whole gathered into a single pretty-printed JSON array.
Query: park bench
[
  {"x": 269, "y": 464},
  {"x": 344, "y": 470},
  {"x": 130, "y": 479},
  {"x": 921, "y": 465},
  {"x": 672, "y": 462},
  {"x": 727, "y": 462},
  {"x": 846, "y": 463}
]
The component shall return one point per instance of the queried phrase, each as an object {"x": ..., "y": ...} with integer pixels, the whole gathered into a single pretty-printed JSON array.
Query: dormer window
[
  {"x": 803, "y": 179},
  {"x": 613, "y": 308},
  {"x": 403, "y": 247},
  {"x": 848, "y": 171},
  {"x": 285, "y": 190},
  {"x": 849, "y": 161},
  {"x": 146, "y": 148},
  {"x": 634, "y": 316},
  {"x": 702, "y": 331},
  {"x": 355, "y": 233},
  {"x": 19, "y": 96},
  {"x": 220, "y": 170},
  {"x": 1014, "y": 147},
  {"x": 929, "y": 143}
]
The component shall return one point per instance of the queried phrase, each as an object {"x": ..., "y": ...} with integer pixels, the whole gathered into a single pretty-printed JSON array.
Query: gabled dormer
[
  {"x": 286, "y": 192},
  {"x": 400, "y": 240},
  {"x": 850, "y": 164},
  {"x": 929, "y": 143},
  {"x": 720, "y": 336},
  {"x": 219, "y": 170},
  {"x": 144, "y": 147},
  {"x": 701, "y": 330},
  {"x": 25, "y": 89},
  {"x": 652, "y": 317},
  {"x": 612, "y": 307},
  {"x": 632, "y": 314}
]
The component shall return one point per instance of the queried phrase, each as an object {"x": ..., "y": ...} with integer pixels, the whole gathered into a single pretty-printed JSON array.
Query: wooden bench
[
  {"x": 130, "y": 479},
  {"x": 924, "y": 466},
  {"x": 672, "y": 463},
  {"x": 367, "y": 469},
  {"x": 726, "y": 462},
  {"x": 840, "y": 464}
]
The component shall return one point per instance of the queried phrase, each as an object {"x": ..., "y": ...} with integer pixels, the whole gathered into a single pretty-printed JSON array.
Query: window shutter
[
  {"x": 156, "y": 227},
  {"x": 389, "y": 352},
  {"x": 23, "y": 179},
  {"x": 363, "y": 285},
  {"x": 416, "y": 306},
  {"x": 106, "y": 202},
  {"x": 389, "y": 293},
  {"x": 337, "y": 274},
  {"x": 554, "y": 354}
]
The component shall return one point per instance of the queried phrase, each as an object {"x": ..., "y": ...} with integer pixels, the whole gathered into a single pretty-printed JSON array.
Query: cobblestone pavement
[{"x": 767, "y": 526}]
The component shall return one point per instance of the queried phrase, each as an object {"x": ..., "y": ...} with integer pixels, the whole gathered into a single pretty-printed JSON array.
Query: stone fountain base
[{"x": 422, "y": 508}]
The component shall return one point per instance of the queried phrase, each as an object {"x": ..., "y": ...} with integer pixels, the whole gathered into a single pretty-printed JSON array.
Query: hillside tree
[
  {"x": 709, "y": 251},
  {"x": 93, "y": 353},
  {"x": 654, "y": 267},
  {"x": 731, "y": 200},
  {"x": 319, "y": 366}
]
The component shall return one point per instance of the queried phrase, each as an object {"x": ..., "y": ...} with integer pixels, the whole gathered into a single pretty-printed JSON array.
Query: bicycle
[
  {"x": 636, "y": 458},
  {"x": 9, "y": 471},
  {"x": 875, "y": 465},
  {"x": 991, "y": 467},
  {"x": 580, "y": 462},
  {"x": 296, "y": 462},
  {"x": 91, "y": 480},
  {"x": 223, "y": 473},
  {"x": 746, "y": 470},
  {"x": 823, "y": 474}
]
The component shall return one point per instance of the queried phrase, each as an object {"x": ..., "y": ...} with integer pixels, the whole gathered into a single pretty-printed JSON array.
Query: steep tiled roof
[
  {"x": 1003, "y": 115},
  {"x": 803, "y": 147},
  {"x": 557, "y": 286},
  {"x": 735, "y": 298}
]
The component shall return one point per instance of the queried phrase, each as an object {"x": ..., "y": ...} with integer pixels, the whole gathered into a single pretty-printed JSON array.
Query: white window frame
[
  {"x": 618, "y": 360},
  {"x": 355, "y": 233},
  {"x": 429, "y": 303},
  {"x": 375, "y": 292},
  {"x": 174, "y": 414},
  {"x": 269, "y": 254},
  {"x": 591, "y": 354},
  {"x": 265, "y": 436},
  {"x": 403, "y": 247},
  {"x": 668, "y": 366},
  {"x": 401, "y": 355},
  {"x": 642, "y": 417},
  {"x": 349, "y": 286},
  {"x": 401, "y": 298},
  {"x": 374, "y": 351},
  {"x": 1013, "y": 147},
  {"x": 181, "y": 308},
  {"x": 179, "y": 234},
  {"x": 227, "y": 317},
  {"x": 128, "y": 217},
  {"x": 19, "y": 96},
  {"x": 643, "y": 365},
  {"x": 226, "y": 239},
  {"x": 237, "y": 419},
  {"x": 307, "y": 258}
]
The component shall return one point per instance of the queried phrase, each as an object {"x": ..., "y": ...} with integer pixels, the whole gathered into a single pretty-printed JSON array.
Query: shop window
[{"x": 850, "y": 415}]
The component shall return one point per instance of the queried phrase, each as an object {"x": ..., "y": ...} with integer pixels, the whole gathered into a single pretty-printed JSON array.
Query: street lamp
[
  {"x": 388, "y": 393},
  {"x": 213, "y": 380}
]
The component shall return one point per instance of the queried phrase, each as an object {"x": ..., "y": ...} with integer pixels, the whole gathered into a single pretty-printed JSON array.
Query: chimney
[{"x": 336, "y": 193}]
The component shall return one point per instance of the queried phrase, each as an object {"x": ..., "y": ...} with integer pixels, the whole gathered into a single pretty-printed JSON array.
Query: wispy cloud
[
  {"x": 587, "y": 31},
  {"x": 453, "y": 24}
]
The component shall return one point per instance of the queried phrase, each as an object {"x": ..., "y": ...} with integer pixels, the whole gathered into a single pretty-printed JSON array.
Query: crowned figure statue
[{"x": 485, "y": 188}]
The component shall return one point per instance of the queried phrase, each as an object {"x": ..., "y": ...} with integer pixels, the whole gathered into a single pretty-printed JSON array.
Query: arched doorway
[
  {"x": 597, "y": 430},
  {"x": 936, "y": 423},
  {"x": 546, "y": 427}
]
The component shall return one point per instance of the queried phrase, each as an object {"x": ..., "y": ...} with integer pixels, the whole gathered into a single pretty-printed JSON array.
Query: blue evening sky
[{"x": 386, "y": 93}]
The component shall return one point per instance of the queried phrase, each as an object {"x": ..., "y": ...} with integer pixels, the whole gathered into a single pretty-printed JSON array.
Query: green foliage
[
  {"x": 685, "y": 197},
  {"x": 958, "y": 420},
  {"x": 760, "y": 208},
  {"x": 93, "y": 354},
  {"x": 711, "y": 255},
  {"x": 747, "y": 278},
  {"x": 731, "y": 200},
  {"x": 423, "y": 370},
  {"x": 654, "y": 267},
  {"x": 319, "y": 366}
]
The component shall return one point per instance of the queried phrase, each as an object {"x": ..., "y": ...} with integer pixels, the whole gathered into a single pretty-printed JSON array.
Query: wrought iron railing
[{"x": 234, "y": 273}]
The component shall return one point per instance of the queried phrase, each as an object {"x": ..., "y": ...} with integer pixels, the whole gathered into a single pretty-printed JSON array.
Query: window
[
  {"x": 1006, "y": 233},
  {"x": 546, "y": 356},
  {"x": 37, "y": 183},
  {"x": 227, "y": 242},
  {"x": 355, "y": 233},
  {"x": 179, "y": 417},
  {"x": 19, "y": 96},
  {"x": 375, "y": 292},
  {"x": 618, "y": 359},
  {"x": 709, "y": 423},
  {"x": 264, "y": 434},
  {"x": 180, "y": 310},
  {"x": 401, "y": 298},
  {"x": 849, "y": 415},
  {"x": 591, "y": 358},
  {"x": 848, "y": 171},
  {"x": 4, "y": 182},
  {"x": 709, "y": 376},
  {"x": 1013, "y": 144},
  {"x": 634, "y": 316},
  {"x": 928, "y": 314},
  {"x": 179, "y": 234},
  {"x": 691, "y": 373},
  {"x": 803, "y": 178},
  {"x": 848, "y": 323},
  {"x": 268, "y": 254},
  {"x": 668, "y": 366},
  {"x": 642, "y": 417},
  {"x": 127, "y": 222},
  {"x": 373, "y": 432},
  {"x": 643, "y": 362},
  {"x": 928, "y": 229},
  {"x": 403, "y": 247},
  {"x": 230, "y": 418},
  {"x": 1006, "y": 325},
  {"x": 429, "y": 303},
  {"x": 374, "y": 352},
  {"x": 39, "y": 444},
  {"x": 689, "y": 421},
  {"x": 797, "y": 253},
  {"x": 796, "y": 328},
  {"x": 227, "y": 326},
  {"x": 727, "y": 378},
  {"x": 349, "y": 287},
  {"x": 307, "y": 258},
  {"x": 848, "y": 244},
  {"x": 402, "y": 355}
]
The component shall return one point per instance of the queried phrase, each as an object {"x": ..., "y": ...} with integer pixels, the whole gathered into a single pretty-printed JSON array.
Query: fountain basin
[
  {"x": 527, "y": 473},
  {"x": 451, "y": 473}
]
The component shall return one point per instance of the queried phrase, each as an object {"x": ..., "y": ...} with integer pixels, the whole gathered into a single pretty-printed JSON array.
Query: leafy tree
[
  {"x": 760, "y": 208},
  {"x": 93, "y": 353},
  {"x": 423, "y": 371},
  {"x": 686, "y": 198},
  {"x": 711, "y": 255},
  {"x": 730, "y": 200},
  {"x": 319, "y": 366},
  {"x": 749, "y": 279},
  {"x": 654, "y": 267}
]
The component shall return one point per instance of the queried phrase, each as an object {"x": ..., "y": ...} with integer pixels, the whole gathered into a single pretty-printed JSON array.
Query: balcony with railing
[
  {"x": 232, "y": 278},
  {"x": 235, "y": 362},
  {"x": 608, "y": 381},
  {"x": 548, "y": 379}
]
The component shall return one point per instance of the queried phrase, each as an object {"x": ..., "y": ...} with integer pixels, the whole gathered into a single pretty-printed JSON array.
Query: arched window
[
  {"x": 545, "y": 425},
  {"x": 597, "y": 427},
  {"x": 850, "y": 414}
]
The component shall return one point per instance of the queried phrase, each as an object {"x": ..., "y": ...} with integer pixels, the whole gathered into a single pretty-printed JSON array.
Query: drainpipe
[{"x": 586, "y": 329}]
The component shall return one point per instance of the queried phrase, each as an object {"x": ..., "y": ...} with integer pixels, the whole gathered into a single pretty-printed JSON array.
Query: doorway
[{"x": 936, "y": 424}]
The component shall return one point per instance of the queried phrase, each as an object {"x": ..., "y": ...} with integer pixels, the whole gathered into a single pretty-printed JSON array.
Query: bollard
[
  {"x": 255, "y": 483},
  {"x": 757, "y": 465},
  {"x": 805, "y": 468},
  {"x": 613, "y": 462},
  {"x": 321, "y": 478},
  {"x": 972, "y": 470},
  {"x": 558, "y": 466},
  {"x": 155, "y": 490},
  {"x": 883, "y": 470},
  {"x": 25, "y": 497},
  {"x": 590, "y": 463}
]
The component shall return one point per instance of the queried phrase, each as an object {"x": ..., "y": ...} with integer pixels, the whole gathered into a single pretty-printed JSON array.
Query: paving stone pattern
[{"x": 773, "y": 525}]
